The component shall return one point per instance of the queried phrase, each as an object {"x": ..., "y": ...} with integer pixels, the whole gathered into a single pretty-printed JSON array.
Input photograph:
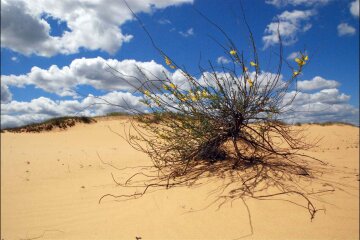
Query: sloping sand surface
[{"x": 51, "y": 183}]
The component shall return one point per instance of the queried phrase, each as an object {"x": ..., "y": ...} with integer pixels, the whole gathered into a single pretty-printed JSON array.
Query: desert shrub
[
  {"x": 226, "y": 122},
  {"x": 85, "y": 119}
]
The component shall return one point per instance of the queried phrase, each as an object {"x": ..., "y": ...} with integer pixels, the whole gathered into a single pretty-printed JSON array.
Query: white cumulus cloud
[
  {"x": 345, "y": 29},
  {"x": 325, "y": 96},
  {"x": 289, "y": 24},
  {"x": 126, "y": 75},
  {"x": 93, "y": 25},
  {"x": 354, "y": 8},
  {"x": 17, "y": 113},
  {"x": 317, "y": 83},
  {"x": 6, "y": 95},
  {"x": 325, "y": 105}
]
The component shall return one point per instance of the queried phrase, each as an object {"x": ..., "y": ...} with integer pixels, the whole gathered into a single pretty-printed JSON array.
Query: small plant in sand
[{"x": 224, "y": 122}]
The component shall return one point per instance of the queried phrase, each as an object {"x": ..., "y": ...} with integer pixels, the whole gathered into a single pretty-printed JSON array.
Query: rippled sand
[{"x": 51, "y": 183}]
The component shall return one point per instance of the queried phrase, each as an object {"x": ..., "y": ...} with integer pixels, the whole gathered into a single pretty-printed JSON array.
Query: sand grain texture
[{"x": 51, "y": 183}]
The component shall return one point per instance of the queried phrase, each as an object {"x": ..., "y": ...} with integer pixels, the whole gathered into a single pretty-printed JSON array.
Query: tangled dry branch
[{"x": 225, "y": 123}]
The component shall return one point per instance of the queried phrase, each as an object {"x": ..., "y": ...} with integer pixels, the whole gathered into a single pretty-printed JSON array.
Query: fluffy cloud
[
  {"x": 222, "y": 60},
  {"x": 17, "y": 113},
  {"x": 21, "y": 30},
  {"x": 6, "y": 95},
  {"x": 325, "y": 105},
  {"x": 289, "y": 24},
  {"x": 282, "y": 3},
  {"x": 108, "y": 75},
  {"x": 294, "y": 55},
  {"x": 325, "y": 96},
  {"x": 354, "y": 8},
  {"x": 320, "y": 112},
  {"x": 322, "y": 106},
  {"x": 96, "y": 72},
  {"x": 316, "y": 83},
  {"x": 180, "y": 80},
  {"x": 345, "y": 29},
  {"x": 92, "y": 24}
]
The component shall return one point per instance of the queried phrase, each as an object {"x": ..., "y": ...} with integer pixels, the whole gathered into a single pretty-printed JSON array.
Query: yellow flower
[
  {"x": 250, "y": 82},
  {"x": 300, "y": 61},
  {"x": 183, "y": 99},
  {"x": 147, "y": 93},
  {"x": 172, "y": 86},
  {"x": 253, "y": 64},
  {"x": 306, "y": 58},
  {"x": 233, "y": 52},
  {"x": 295, "y": 73},
  {"x": 157, "y": 101},
  {"x": 204, "y": 94},
  {"x": 165, "y": 87},
  {"x": 192, "y": 96},
  {"x": 167, "y": 61},
  {"x": 245, "y": 69}
]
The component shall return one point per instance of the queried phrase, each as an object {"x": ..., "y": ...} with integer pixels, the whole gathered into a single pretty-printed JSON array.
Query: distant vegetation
[
  {"x": 115, "y": 114},
  {"x": 54, "y": 123},
  {"x": 330, "y": 123}
]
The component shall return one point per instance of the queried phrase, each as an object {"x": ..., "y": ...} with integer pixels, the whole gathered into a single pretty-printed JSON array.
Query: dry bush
[{"x": 224, "y": 123}]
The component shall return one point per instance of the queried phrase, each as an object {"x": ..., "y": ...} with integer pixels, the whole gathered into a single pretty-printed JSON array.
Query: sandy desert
[{"x": 51, "y": 183}]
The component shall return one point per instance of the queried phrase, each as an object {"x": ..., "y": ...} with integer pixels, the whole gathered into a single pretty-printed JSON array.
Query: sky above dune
[{"x": 55, "y": 55}]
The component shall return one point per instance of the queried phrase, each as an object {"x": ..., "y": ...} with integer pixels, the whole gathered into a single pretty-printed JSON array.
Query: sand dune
[{"x": 51, "y": 183}]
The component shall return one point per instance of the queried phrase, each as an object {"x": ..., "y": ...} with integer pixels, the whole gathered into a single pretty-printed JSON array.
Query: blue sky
[{"x": 49, "y": 49}]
